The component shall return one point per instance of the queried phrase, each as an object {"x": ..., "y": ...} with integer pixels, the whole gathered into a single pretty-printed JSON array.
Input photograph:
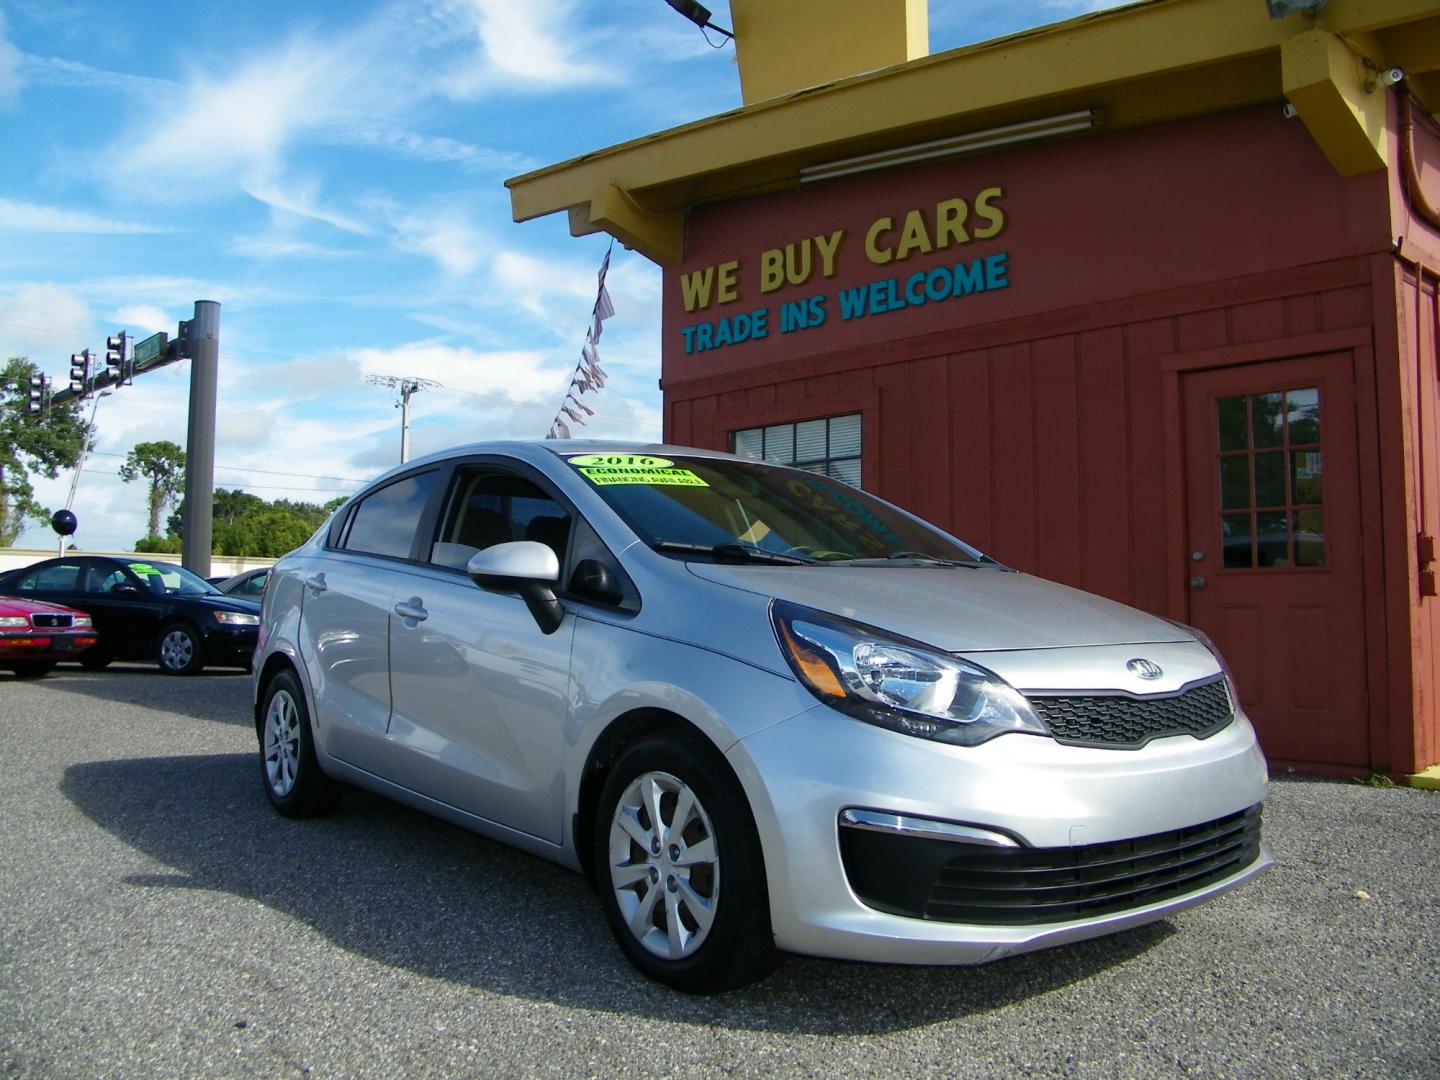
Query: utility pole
[
  {"x": 407, "y": 385},
  {"x": 202, "y": 344}
]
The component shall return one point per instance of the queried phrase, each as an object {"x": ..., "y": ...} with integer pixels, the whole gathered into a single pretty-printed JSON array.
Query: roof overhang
[{"x": 1142, "y": 64}]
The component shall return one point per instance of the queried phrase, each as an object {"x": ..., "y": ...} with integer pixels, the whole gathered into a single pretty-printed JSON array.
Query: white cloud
[
  {"x": 279, "y": 247},
  {"x": 10, "y": 78},
  {"x": 524, "y": 44},
  {"x": 445, "y": 234},
  {"x": 434, "y": 148},
  {"x": 32, "y": 217},
  {"x": 499, "y": 376},
  {"x": 237, "y": 129},
  {"x": 528, "y": 280},
  {"x": 145, "y": 317},
  {"x": 303, "y": 201},
  {"x": 45, "y": 322}
]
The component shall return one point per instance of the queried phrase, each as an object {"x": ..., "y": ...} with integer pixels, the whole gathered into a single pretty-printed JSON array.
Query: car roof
[{"x": 531, "y": 450}]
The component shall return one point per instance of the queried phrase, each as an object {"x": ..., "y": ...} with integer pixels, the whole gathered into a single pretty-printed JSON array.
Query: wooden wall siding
[
  {"x": 1049, "y": 453},
  {"x": 1419, "y": 328}
]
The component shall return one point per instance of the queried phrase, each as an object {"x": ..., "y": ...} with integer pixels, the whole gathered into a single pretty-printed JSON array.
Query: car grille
[
  {"x": 1121, "y": 721},
  {"x": 51, "y": 621},
  {"x": 950, "y": 882}
]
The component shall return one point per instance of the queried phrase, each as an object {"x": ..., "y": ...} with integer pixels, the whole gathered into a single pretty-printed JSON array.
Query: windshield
[
  {"x": 172, "y": 580},
  {"x": 724, "y": 508}
]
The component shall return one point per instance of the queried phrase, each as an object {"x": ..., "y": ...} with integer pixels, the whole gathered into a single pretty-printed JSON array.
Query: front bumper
[
  {"x": 230, "y": 645},
  {"x": 58, "y": 644},
  {"x": 1026, "y": 787}
]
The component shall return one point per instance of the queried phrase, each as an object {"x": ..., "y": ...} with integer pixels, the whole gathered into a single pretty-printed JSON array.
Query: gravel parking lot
[{"x": 157, "y": 918}]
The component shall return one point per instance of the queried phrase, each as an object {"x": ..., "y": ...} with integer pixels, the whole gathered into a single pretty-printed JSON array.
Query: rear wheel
[
  {"x": 679, "y": 867},
  {"x": 32, "y": 669},
  {"x": 179, "y": 650},
  {"x": 293, "y": 780}
]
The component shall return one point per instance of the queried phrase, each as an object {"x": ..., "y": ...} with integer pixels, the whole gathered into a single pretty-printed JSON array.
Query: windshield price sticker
[
  {"x": 143, "y": 568},
  {"x": 622, "y": 461},
  {"x": 601, "y": 475}
]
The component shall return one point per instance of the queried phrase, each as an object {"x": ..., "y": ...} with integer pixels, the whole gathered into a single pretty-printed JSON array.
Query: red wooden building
[{"x": 1182, "y": 355}]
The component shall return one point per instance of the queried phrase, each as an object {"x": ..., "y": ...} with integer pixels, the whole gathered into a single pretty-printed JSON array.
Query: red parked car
[{"x": 35, "y": 635}]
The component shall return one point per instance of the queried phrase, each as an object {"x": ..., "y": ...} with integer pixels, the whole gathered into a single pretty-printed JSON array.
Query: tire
[
  {"x": 32, "y": 669},
  {"x": 91, "y": 660},
  {"x": 689, "y": 910},
  {"x": 179, "y": 650},
  {"x": 293, "y": 780}
]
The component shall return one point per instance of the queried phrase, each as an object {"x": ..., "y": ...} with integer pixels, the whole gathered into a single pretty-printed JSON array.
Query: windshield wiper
[
  {"x": 731, "y": 552},
  {"x": 910, "y": 556}
]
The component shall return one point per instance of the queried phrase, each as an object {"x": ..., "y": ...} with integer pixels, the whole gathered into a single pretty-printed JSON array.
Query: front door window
[{"x": 1271, "y": 480}]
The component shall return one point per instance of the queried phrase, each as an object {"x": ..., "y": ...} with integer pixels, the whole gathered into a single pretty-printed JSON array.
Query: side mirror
[{"x": 526, "y": 567}]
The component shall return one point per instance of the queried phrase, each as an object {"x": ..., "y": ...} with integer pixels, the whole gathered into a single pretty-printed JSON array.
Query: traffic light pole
[
  {"x": 85, "y": 444},
  {"x": 204, "y": 351}
]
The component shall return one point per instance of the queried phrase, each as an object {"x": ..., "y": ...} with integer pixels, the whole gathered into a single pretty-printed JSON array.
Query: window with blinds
[{"x": 830, "y": 446}]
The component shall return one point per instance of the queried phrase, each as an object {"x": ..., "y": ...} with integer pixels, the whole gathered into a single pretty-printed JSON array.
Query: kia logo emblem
[{"x": 1146, "y": 669}]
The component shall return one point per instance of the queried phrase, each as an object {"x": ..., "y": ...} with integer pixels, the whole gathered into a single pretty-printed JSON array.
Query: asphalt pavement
[{"x": 157, "y": 918}]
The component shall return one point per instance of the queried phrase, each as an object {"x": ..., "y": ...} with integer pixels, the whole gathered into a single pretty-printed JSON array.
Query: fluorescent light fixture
[
  {"x": 1025, "y": 131},
  {"x": 1280, "y": 8}
]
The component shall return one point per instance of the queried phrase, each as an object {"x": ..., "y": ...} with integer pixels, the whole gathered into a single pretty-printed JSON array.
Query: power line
[
  {"x": 243, "y": 484},
  {"x": 268, "y": 473}
]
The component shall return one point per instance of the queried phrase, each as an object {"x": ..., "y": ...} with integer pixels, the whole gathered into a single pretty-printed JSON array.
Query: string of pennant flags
[{"x": 589, "y": 377}]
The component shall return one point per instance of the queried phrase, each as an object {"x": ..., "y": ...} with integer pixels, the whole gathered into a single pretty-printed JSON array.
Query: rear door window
[{"x": 385, "y": 521}]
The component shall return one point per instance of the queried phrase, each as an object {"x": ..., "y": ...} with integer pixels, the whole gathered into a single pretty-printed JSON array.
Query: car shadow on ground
[
  {"x": 407, "y": 890},
  {"x": 218, "y": 695}
]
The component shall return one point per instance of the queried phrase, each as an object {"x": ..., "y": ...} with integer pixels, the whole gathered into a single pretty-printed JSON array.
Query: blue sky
[{"x": 332, "y": 173}]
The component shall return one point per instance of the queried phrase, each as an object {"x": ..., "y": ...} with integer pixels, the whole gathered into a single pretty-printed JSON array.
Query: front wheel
[
  {"x": 179, "y": 650},
  {"x": 293, "y": 780},
  {"x": 93, "y": 660},
  {"x": 679, "y": 867},
  {"x": 32, "y": 669}
]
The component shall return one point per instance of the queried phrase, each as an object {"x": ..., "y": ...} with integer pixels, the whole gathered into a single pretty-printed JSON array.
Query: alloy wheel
[
  {"x": 282, "y": 743},
  {"x": 664, "y": 865}
]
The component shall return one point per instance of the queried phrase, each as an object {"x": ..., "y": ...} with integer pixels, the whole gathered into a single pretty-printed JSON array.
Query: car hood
[
  {"x": 952, "y": 608},
  {"x": 16, "y": 605},
  {"x": 220, "y": 602}
]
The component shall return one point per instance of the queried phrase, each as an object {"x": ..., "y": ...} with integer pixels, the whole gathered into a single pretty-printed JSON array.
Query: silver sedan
[{"x": 763, "y": 710}]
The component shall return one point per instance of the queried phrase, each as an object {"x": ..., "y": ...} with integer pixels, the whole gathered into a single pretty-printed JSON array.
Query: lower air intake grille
[
  {"x": 1119, "y": 721},
  {"x": 986, "y": 886}
]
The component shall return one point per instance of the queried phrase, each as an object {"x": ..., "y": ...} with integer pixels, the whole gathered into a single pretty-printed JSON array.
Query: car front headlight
[
  {"x": 896, "y": 683},
  {"x": 14, "y": 620},
  {"x": 237, "y": 618},
  {"x": 83, "y": 620}
]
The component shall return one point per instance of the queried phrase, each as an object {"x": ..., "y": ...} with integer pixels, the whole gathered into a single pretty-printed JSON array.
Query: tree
[
  {"x": 246, "y": 524},
  {"x": 162, "y": 464},
  {"x": 42, "y": 444}
]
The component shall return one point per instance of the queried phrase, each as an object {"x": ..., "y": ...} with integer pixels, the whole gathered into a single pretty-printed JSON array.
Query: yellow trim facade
[{"x": 1142, "y": 64}]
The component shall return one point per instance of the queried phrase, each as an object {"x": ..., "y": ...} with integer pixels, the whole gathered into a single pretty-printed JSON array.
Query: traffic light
[
  {"x": 38, "y": 399},
  {"x": 80, "y": 372},
  {"x": 115, "y": 356}
]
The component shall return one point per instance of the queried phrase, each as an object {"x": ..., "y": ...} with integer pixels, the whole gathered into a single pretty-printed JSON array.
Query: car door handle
[
  {"x": 316, "y": 582},
  {"x": 413, "y": 608}
]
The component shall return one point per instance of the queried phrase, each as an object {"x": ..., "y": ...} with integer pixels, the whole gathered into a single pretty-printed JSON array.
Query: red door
[{"x": 1273, "y": 511}]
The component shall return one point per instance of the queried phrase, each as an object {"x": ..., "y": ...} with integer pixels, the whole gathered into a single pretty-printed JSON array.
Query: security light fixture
[
  {"x": 1280, "y": 8},
  {"x": 1025, "y": 131},
  {"x": 698, "y": 14}
]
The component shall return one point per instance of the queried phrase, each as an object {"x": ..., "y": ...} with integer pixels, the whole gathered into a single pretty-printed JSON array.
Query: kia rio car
[{"x": 760, "y": 709}]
